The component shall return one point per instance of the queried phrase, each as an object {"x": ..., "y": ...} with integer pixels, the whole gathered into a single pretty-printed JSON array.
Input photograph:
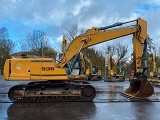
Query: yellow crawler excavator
[
  {"x": 154, "y": 73},
  {"x": 93, "y": 72},
  {"x": 51, "y": 80},
  {"x": 114, "y": 73}
]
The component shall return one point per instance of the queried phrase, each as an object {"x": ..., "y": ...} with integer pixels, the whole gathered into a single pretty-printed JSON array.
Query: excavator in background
[
  {"x": 155, "y": 72},
  {"x": 51, "y": 81},
  {"x": 115, "y": 73},
  {"x": 93, "y": 72}
]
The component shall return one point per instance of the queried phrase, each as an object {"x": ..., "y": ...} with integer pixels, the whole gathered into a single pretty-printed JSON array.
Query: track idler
[{"x": 139, "y": 88}]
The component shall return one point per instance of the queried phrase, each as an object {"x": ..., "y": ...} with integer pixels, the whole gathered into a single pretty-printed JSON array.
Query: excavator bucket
[{"x": 139, "y": 88}]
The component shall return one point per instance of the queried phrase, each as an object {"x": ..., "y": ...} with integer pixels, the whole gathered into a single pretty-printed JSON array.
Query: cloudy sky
[{"x": 21, "y": 17}]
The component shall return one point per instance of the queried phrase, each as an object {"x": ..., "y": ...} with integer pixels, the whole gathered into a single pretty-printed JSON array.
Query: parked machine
[
  {"x": 51, "y": 80},
  {"x": 154, "y": 71},
  {"x": 93, "y": 72},
  {"x": 115, "y": 73}
]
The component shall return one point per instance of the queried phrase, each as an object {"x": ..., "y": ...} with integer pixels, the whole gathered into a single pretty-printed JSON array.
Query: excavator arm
[{"x": 98, "y": 35}]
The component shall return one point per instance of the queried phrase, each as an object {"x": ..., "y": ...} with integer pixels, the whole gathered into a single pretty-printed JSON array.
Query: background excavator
[
  {"x": 154, "y": 71},
  {"x": 93, "y": 72},
  {"x": 115, "y": 73},
  {"x": 51, "y": 80}
]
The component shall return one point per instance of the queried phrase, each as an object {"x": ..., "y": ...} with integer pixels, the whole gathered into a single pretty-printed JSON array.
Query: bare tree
[
  {"x": 23, "y": 46},
  {"x": 72, "y": 31},
  {"x": 151, "y": 46},
  {"x": 4, "y": 33},
  {"x": 118, "y": 52},
  {"x": 110, "y": 49},
  {"x": 6, "y": 46},
  {"x": 121, "y": 52},
  {"x": 36, "y": 41}
]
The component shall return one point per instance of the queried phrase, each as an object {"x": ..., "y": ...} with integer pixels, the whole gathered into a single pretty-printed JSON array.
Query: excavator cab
[
  {"x": 96, "y": 73},
  {"x": 95, "y": 69}
]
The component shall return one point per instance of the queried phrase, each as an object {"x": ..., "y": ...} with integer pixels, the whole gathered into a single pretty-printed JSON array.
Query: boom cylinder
[{"x": 115, "y": 25}]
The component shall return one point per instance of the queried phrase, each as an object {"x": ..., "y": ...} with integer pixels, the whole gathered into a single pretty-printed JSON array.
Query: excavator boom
[{"x": 98, "y": 35}]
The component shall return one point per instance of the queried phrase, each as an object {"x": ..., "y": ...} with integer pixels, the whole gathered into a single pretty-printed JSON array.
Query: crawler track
[{"x": 48, "y": 91}]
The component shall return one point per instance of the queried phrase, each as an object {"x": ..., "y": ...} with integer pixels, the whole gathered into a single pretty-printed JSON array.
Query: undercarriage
[{"x": 51, "y": 91}]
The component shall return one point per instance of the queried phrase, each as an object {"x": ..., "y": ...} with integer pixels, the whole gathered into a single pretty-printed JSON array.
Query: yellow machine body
[{"x": 33, "y": 69}]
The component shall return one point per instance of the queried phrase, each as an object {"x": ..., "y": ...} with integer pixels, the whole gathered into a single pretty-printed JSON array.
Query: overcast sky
[{"x": 21, "y": 17}]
